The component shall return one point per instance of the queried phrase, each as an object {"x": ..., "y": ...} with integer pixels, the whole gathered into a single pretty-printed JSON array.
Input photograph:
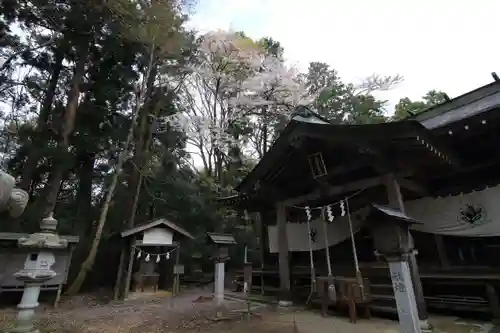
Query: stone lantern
[
  {"x": 392, "y": 241},
  {"x": 221, "y": 255},
  {"x": 37, "y": 270}
]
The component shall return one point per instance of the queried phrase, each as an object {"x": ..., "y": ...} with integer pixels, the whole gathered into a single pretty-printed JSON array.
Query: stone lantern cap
[{"x": 47, "y": 238}]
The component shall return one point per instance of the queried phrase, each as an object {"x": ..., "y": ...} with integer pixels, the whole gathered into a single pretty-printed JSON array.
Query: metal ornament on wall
[
  {"x": 317, "y": 165},
  {"x": 472, "y": 213}
]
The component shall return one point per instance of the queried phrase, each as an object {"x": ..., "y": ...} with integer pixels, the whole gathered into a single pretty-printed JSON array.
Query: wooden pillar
[
  {"x": 494, "y": 303},
  {"x": 396, "y": 202},
  {"x": 119, "y": 274},
  {"x": 263, "y": 222},
  {"x": 263, "y": 241},
  {"x": 284, "y": 268},
  {"x": 68, "y": 266},
  {"x": 176, "y": 288},
  {"x": 441, "y": 251},
  {"x": 128, "y": 275}
]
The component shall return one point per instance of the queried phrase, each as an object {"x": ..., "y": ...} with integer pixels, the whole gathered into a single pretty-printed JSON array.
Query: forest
[{"x": 112, "y": 113}]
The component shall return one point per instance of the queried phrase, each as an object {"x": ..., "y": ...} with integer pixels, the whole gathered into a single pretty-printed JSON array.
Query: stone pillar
[
  {"x": 404, "y": 295},
  {"x": 219, "y": 282},
  {"x": 284, "y": 268}
]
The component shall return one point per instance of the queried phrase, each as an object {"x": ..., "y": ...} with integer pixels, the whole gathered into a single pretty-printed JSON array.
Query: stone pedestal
[{"x": 29, "y": 301}]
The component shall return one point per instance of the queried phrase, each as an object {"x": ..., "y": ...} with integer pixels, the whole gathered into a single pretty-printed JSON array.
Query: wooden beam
[
  {"x": 345, "y": 168},
  {"x": 139, "y": 242},
  {"x": 413, "y": 186},
  {"x": 441, "y": 251},
  {"x": 334, "y": 190}
]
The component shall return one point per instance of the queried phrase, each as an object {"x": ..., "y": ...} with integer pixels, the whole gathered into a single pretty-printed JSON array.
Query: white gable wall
[{"x": 158, "y": 236}]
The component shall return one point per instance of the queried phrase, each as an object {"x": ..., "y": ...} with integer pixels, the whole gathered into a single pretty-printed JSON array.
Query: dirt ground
[
  {"x": 141, "y": 315},
  {"x": 185, "y": 315}
]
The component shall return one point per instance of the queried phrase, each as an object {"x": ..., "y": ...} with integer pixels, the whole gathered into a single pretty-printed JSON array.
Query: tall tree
[
  {"x": 155, "y": 26},
  {"x": 346, "y": 102},
  {"x": 234, "y": 81}
]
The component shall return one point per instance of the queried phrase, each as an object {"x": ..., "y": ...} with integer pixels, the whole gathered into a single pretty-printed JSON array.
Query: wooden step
[
  {"x": 380, "y": 285},
  {"x": 378, "y": 296},
  {"x": 384, "y": 309}
]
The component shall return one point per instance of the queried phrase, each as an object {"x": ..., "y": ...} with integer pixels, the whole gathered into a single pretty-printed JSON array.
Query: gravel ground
[
  {"x": 186, "y": 314},
  {"x": 166, "y": 314}
]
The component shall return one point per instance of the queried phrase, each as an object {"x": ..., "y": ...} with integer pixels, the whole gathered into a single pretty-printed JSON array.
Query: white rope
[
  {"x": 140, "y": 252},
  {"x": 351, "y": 231},
  {"x": 327, "y": 247},
  {"x": 311, "y": 258},
  {"x": 359, "y": 277}
]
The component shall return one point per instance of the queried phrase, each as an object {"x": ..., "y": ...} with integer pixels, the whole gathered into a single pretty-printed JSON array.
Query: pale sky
[{"x": 435, "y": 44}]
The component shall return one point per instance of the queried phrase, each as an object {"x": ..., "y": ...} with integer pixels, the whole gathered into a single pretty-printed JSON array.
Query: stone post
[
  {"x": 37, "y": 270},
  {"x": 220, "y": 271},
  {"x": 391, "y": 237}
]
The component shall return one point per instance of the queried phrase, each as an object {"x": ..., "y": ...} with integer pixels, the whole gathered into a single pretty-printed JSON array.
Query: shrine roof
[
  {"x": 475, "y": 102},
  {"x": 351, "y": 144},
  {"x": 221, "y": 239},
  {"x": 459, "y": 132},
  {"x": 161, "y": 222},
  {"x": 394, "y": 213}
]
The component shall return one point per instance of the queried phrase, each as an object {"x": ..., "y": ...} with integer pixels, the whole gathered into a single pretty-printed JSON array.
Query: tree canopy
[{"x": 113, "y": 113}]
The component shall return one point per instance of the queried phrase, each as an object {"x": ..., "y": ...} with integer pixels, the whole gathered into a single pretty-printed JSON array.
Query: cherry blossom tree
[{"x": 233, "y": 84}]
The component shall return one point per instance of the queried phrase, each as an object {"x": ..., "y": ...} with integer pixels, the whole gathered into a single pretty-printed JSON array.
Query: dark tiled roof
[
  {"x": 153, "y": 224},
  {"x": 221, "y": 239}
]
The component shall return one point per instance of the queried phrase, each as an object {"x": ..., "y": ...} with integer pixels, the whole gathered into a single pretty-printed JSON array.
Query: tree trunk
[
  {"x": 49, "y": 199},
  {"x": 141, "y": 144},
  {"x": 89, "y": 261},
  {"x": 37, "y": 142},
  {"x": 85, "y": 172}
]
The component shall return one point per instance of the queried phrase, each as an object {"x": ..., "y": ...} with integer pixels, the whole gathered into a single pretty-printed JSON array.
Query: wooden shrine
[
  {"x": 149, "y": 251},
  {"x": 452, "y": 149}
]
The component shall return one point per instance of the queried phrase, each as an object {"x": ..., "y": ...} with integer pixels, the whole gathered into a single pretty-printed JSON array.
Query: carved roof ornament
[{"x": 301, "y": 110}]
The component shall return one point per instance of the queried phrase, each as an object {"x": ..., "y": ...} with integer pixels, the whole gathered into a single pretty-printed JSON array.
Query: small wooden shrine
[
  {"x": 12, "y": 259},
  {"x": 151, "y": 251}
]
